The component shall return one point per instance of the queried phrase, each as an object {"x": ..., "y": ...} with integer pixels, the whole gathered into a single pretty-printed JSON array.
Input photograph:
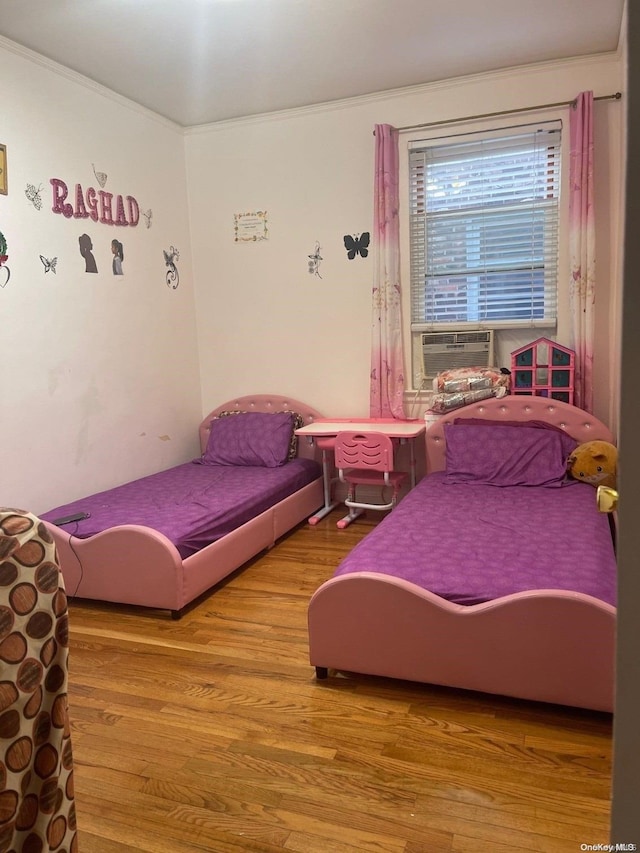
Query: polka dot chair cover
[{"x": 37, "y": 807}]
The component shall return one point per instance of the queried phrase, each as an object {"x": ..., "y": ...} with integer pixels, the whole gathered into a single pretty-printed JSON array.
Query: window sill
[{"x": 416, "y": 402}]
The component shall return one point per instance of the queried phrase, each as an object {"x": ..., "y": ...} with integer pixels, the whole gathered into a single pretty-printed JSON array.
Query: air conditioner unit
[{"x": 450, "y": 350}]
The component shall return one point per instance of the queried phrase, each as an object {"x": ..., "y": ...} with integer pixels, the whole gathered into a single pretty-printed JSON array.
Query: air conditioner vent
[{"x": 450, "y": 350}]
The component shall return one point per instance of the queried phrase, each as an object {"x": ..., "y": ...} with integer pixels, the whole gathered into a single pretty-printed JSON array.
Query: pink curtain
[
  {"x": 387, "y": 372},
  {"x": 582, "y": 245}
]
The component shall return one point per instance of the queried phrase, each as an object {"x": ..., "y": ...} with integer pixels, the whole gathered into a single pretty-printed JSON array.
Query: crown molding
[
  {"x": 311, "y": 109},
  {"x": 406, "y": 91}
]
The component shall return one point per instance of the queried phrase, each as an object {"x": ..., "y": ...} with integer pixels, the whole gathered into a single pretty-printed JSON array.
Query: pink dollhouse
[{"x": 543, "y": 368}]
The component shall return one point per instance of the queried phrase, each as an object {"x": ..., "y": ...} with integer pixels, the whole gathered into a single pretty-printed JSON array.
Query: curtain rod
[{"x": 614, "y": 97}]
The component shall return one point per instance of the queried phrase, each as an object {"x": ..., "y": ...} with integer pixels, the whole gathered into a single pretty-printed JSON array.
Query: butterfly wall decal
[
  {"x": 148, "y": 214},
  {"x": 357, "y": 244},
  {"x": 101, "y": 177},
  {"x": 314, "y": 261},
  {"x": 172, "y": 277},
  {"x": 49, "y": 265},
  {"x": 33, "y": 194}
]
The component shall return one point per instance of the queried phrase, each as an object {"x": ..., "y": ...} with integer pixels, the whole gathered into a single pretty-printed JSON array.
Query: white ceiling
[{"x": 201, "y": 61}]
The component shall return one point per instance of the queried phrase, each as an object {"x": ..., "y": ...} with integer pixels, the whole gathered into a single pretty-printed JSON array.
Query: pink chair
[{"x": 366, "y": 459}]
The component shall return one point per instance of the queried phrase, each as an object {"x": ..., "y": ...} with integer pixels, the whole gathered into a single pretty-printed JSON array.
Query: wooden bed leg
[{"x": 321, "y": 673}]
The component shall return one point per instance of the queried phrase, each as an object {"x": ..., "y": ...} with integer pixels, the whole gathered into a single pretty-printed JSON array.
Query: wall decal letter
[
  {"x": 60, "y": 192},
  {"x": 106, "y": 216},
  {"x": 134, "y": 211},
  {"x": 121, "y": 218},
  {"x": 81, "y": 210},
  {"x": 92, "y": 204}
]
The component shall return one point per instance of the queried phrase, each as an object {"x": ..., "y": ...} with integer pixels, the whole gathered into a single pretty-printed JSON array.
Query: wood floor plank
[
  {"x": 151, "y": 837},
  {"x": 303, "y": 842},
  {"x": 503, "y": 795},
  {"x": 211, "y": 733},
  {"x": 218, "y": 821},
  {"x": 478, "y": 748}
]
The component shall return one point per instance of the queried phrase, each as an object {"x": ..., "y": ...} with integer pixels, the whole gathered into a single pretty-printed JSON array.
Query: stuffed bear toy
[{"x": 594, "y": 462}]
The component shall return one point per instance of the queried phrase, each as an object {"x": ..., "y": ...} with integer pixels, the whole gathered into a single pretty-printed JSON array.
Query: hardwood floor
[{"x": 211, "y": 733}]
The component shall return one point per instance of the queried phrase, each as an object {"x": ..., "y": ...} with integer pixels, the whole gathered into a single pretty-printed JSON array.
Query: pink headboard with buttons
[
  {"x": 579, "y": 424},
  {"x": 265, "y": 403}
]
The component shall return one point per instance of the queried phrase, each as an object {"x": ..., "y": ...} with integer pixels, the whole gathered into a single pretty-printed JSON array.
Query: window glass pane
[{"x": 484, "y": 229}]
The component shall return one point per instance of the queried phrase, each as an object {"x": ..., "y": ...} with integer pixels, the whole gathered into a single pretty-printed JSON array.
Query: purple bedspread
[
  {"x": 193, "y": 505},
  {"x": 470, "y": 543}
]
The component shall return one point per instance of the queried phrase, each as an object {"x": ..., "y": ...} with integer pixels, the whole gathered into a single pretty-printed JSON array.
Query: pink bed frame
[
  {"x": 132, "y": 564},
  {"x": 545, "y": 645}
]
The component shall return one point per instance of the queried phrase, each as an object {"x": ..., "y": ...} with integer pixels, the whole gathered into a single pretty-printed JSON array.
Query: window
[{"x": 484, "y": 229}]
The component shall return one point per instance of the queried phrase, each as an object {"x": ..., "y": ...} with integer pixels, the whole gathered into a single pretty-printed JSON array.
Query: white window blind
[{"x": 484, "y": 229}]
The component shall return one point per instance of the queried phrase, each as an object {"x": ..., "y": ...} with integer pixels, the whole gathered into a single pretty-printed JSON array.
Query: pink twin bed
[
  {"x": 164, "y": 540},
  {"x": 494, "y": 574}
]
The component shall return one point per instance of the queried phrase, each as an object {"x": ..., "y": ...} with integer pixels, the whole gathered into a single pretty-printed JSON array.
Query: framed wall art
[
  {"x": 250, "y": 227},
  {"x": 4, "y": 187}
]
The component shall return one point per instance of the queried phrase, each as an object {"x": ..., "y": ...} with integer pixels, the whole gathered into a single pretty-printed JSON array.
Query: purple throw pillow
[
  {"x": 251, "y": 438},
  {"x": 505, "y": 455},
  {"x": 569, "y": 443}
]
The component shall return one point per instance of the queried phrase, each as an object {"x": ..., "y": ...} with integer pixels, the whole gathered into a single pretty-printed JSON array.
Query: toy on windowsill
[
  {"x": 442, "y": 403},
  {"x": 594, "y": 462},
  {"x": 543, "y": 368},
  {"x": 461, "y": 386}
]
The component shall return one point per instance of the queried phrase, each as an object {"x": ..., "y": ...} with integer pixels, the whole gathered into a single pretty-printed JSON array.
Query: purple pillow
[
  {"x": 569, "y": 443},
  {"x": 251, "y": 438},
  {"x": 506, "y": 455}
]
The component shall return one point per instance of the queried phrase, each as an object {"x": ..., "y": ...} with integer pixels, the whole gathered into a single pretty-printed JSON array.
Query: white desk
[{"x": 403, "y": 431}]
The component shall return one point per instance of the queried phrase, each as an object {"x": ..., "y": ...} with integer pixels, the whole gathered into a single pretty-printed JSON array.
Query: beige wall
[
  {"x": 263, "y": 321},
  {"x": 109, "y": 377},
  {"x": 100, "y": 373}
]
